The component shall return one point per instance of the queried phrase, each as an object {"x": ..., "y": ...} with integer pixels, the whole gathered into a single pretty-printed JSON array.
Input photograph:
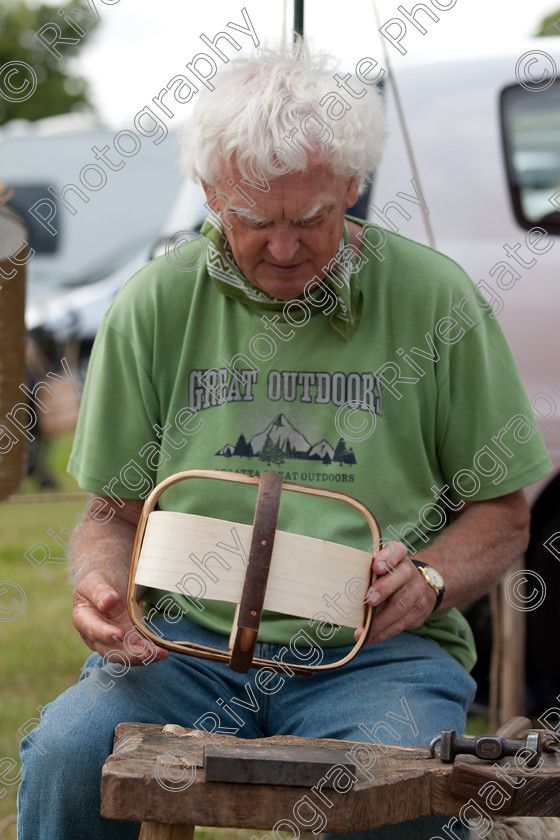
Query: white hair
[{"x": 259, "y": 101}]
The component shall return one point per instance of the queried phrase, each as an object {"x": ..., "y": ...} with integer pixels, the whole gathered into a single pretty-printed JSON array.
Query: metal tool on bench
[
  {"x": 494, "y": 747},
  {"x": 276, "y": 764},
  {"x": 286, "y": 573},
  {"x": 489, "y": 747}
]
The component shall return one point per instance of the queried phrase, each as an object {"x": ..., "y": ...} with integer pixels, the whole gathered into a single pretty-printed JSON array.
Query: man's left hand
[
  {"x": 485, "y": 538},
  {"x": 401, "y": 598}
]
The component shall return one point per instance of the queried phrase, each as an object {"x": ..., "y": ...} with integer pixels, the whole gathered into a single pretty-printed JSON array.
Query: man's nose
[{"x": 283, "y": 244}]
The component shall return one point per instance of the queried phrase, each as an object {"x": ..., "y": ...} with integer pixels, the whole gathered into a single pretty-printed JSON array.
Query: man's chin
[{"x": 283, "y": 285}]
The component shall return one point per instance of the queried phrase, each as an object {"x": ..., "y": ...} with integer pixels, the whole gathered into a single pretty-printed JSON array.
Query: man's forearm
[
  {"x": 108, "y": 548},
  {"x": 479, "y": 546},
  {"x": 99, "y": 569},
  {"x": 471, "y": 554}
]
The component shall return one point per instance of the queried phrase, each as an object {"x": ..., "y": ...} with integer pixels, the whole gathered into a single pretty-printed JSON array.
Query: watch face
[{"x": 434, "y": 576}]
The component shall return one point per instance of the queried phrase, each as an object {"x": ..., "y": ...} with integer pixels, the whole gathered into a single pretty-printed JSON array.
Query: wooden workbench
[{"x": 394, "y": 784}]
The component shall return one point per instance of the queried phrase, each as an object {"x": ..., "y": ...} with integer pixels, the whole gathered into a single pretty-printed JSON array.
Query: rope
[{"x": 404, "y": 128}]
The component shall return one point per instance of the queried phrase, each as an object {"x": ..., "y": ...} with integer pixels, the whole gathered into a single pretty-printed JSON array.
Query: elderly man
[{"x": 345, "y": 356}]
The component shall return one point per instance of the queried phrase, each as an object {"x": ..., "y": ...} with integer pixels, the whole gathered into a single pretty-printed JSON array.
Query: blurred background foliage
[
  {"x": 61, "y": 91},
  {"x": 550, "y": 25}
]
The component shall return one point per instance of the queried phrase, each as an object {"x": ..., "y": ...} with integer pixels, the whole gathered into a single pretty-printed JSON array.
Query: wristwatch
[{"x": 433, "y": 578}]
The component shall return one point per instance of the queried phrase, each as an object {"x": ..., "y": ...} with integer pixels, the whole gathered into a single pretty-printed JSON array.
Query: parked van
[
  {"x": 487, "y": 157},
  {"x": 485, "y": 134},
  {"x": 77, "y": 310},
  {"x": 91, "y": 199}
]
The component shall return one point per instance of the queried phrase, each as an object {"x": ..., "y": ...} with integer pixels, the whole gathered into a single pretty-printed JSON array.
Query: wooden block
[
  {"x": 468, "y": 780},
  {"x": 513, "y": 727},
  {"x": 273, "y": 765}
]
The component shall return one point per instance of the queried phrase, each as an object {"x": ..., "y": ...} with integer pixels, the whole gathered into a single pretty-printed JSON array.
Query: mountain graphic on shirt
[
  {"x": 280, "y": 440},
  {"x": 228, "y": 450},
  {"x": 321, "y": 450},
  {"x": 284, "y": 436}
]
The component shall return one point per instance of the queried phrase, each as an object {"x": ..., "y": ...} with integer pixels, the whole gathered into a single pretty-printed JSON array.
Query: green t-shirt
[{"x": 423, "y": 402}]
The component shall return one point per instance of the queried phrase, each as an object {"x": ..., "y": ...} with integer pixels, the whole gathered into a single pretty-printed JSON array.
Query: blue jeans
[{"x": 403, "y": 691}]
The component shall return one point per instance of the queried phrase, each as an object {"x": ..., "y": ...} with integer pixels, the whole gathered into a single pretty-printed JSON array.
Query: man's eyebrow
[
  {"x": 248, "y": 215},
  {"x": 316, "y": 211},
  {"x": 253, "y": 218}
]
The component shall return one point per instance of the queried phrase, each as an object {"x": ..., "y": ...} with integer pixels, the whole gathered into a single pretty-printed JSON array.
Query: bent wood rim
[{"x": 203, "y": 651}]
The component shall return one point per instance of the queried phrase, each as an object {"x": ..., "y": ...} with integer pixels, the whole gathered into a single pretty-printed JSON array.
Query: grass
[{"x": 41, "y": 652}]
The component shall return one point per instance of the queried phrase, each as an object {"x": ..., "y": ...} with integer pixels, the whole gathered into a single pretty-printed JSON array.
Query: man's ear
[
  {"x": 209, "y": 191},
  {"x": 352, "y": 192},
  {"x": 213, "y": 193}
]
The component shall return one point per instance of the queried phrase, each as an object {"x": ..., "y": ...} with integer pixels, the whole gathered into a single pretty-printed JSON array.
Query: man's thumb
[{"x": 109, "y": 601}]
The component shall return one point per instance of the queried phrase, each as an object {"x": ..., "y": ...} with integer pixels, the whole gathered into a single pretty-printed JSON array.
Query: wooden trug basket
[{"x": 286, "y": 573}]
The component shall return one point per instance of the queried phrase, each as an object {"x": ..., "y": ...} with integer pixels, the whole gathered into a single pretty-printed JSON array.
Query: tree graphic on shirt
[
  {"x": 349, "y": 457},
  {"x": 340, "y": 452},
  {"x": 271, "y": 453},
  {"x": 242, "y": 448}
]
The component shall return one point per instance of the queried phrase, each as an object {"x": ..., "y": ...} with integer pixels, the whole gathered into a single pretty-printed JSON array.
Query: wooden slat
[
  {"x": 494, "y": 711},
  {"x": 303, "y": 569},
  {"x": 512, "y": 682}
]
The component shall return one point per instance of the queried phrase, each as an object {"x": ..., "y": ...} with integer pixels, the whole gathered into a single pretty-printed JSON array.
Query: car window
[{"x": 531, "y": 134}]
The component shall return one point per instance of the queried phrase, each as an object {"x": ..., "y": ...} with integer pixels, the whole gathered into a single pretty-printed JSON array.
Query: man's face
[{"x": 291, "y": 232}]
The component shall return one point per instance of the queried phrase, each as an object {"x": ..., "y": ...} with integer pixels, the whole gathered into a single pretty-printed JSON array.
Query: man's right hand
[{"x": 101, "y": 618}]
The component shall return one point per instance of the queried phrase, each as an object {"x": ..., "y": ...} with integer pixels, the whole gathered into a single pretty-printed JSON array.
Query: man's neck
[{"x": 353, "y": 230}]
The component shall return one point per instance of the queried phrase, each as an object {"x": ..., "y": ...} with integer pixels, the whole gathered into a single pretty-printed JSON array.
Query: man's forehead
[
  {"x": 291, "y": 196},
  {"x": 282, "y": 213},
  {"x": 316, "y": 164}
]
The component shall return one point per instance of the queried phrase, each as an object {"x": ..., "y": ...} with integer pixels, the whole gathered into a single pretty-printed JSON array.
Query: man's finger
[
  {"x": 387, "y": 584},
  {"x": 406, "y": 610},
  {"x": 102, "y": 595},
  {"x": 101, "y": 618},
  {"x": 103, "y": 638},
  {"x": 108, "y": 601},
  {"x": 389, "y": 557},
  {"x": 90, "y": 625}
]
